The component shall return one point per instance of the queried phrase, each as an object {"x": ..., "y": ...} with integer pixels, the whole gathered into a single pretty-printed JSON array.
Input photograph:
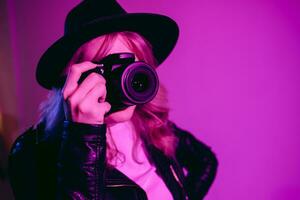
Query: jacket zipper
[
  {"x": 175, "y": 176},
  {"x": 178, "y": 181},
  {"x": 119, "y": 185},
  {"x": 128, "y": 185}
]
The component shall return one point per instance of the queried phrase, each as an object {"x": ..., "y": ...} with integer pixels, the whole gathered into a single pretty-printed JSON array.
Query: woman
[{"x": 76, "y": 151}]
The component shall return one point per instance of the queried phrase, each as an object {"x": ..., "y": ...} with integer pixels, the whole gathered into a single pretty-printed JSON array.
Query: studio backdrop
[{"x": 233, "y": 81}]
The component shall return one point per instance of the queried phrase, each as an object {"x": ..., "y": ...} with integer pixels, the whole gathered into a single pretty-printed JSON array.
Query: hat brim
[{"x": 161, "y": 31}]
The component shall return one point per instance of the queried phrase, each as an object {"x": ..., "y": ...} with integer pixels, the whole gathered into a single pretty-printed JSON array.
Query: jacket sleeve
[
  {"x": 198, "y": 160},
  {"x": 81, "y": 161}
]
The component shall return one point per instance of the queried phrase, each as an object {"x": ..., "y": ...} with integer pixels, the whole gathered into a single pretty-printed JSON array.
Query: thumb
[{"x": 107, "y": 107}]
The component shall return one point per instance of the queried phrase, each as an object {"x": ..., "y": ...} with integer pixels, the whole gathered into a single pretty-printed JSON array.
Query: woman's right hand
[{"x": 85, "y": 103}]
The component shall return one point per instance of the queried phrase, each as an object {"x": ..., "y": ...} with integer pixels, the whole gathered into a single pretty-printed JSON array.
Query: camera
[{"x": 128, "y": 82}]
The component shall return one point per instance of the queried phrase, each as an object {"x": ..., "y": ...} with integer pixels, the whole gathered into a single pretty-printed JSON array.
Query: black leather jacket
[{"x": 72, "y": 165}]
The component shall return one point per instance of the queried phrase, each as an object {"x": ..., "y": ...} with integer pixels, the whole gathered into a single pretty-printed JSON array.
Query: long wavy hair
[{"x": 150, "y": 120}]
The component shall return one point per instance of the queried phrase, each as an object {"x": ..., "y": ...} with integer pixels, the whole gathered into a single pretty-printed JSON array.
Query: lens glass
[{"x": 140, "y": 82}]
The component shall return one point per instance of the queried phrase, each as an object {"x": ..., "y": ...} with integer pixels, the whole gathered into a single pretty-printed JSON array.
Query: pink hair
[{"x": 150, "y": 120}]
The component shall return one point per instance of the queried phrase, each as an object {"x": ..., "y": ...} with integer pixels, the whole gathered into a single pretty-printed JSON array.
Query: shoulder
[
  {"x": 22, "y": 153},
  {"x": 32, "y": 142},
  {"x": 24, "y": 143},
  {"x": 188, "y": 145},
  {"x": 31, "y": 162},
  {"x": 186, "y": 136},
  {"x": 22, "y": 164},
  {"x": 197, "y": 160}
]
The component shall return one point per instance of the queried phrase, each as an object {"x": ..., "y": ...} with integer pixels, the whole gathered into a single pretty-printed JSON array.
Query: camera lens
[{"x": 140, "y": 82}]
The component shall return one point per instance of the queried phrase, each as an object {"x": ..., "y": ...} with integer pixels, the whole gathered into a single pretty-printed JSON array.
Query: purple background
[{"x": 233, "y": 81}]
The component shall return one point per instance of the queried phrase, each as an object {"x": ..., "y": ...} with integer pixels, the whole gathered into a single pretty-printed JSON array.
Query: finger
[
  {"x": 91, "y": 83},
  {"x": 92, "y": 112},
  {"x": 73, "y": 76},
  {"x": 106, "y": 106},
  {"x": 90, "y": 102},
  {"x": 101, "y": 110},
  {"x": 97, "y": 94}
]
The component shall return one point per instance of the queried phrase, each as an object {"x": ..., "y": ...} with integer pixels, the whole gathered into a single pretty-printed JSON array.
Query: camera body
[{"x": 128, "y": 82}]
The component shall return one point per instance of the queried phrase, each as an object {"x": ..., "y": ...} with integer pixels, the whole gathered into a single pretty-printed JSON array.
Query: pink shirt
[{"x": 143, "y": 174}]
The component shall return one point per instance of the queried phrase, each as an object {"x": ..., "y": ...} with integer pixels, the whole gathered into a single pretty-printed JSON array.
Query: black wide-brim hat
[{"x": 93, "y": 18}]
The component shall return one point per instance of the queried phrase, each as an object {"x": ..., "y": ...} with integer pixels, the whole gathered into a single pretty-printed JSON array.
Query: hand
[{"x": 85, "y": 103}]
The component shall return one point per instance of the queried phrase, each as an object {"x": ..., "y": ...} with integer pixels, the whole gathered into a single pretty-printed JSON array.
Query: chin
[{"x": 120, "y": 116}]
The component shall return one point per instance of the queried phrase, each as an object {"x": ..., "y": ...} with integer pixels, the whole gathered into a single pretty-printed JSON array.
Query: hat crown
[{"x": 89, "y": 11}]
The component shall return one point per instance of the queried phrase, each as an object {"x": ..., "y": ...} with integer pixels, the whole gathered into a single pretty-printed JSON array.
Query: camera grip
[{"x": 99, "y": 70}]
